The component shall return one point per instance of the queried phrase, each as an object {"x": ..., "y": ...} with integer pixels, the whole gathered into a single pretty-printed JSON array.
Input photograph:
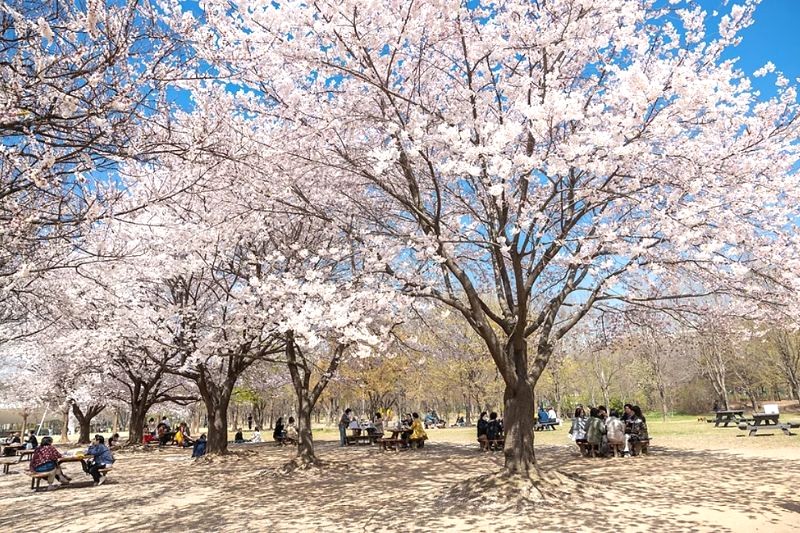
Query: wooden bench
[
  {"x": 390, "y": 444},
  {"x": 542, "y": 426},
  {"x": 24, "y": 454},
  {"x": 754, "y": 429},
  {"x": 416, "y": 443},
  {"x": 360, "y": 439},
  {"x": 7, "y": 462},
  {"x": 637, "y": 447},
  {"x": 37, "y": 477},
  {"x": 497, "y": 444}
]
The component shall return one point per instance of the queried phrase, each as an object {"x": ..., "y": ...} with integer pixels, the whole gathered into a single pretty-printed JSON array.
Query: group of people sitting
[
  {"x": 547, "y": 417},
  {"x": 164, "y": 434},
  {"x": 410, "y": 426},
  {"x": 285, "y": 434},
  {"x": 490, "y": 432},
  {"x": 15, "y": 443},
  {"x": 282, "y": 434},
  {"x": 46, "y": 457},
  {"x": 602, "y": 433}
]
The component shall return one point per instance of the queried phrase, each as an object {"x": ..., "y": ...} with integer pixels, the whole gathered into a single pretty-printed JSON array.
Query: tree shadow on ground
[{"x": 370, "y": 490}]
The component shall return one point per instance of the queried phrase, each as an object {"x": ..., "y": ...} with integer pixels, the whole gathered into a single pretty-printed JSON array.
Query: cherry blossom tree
[
  {"x": 524, "y": 161},
  {"x": 79, "y": 79}
]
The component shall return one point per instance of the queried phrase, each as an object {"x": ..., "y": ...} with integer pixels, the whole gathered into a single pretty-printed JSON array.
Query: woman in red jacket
[{"x": 45, "y": 459}]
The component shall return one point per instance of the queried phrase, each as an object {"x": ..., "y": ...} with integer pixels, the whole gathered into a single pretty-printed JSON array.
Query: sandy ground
[{"x": 682, "y": 485}]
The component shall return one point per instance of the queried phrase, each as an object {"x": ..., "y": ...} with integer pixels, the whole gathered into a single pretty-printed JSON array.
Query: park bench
[
  {"x": 7, "y": 462},
  {"x": 637, "y": 447},
  {"x": 543, "y": 426},
  {"x": 37, "y": 477},
  {"x": 25, "y": 454},
  {"x": 497, "y": 444},
  {"x": 360, "y": 439},
  {"x": 640, "y": 446},
  {"x": 753, "y": 429},
  {"x": 390, "y": 444},
  {"x": 416, "y": 443}
]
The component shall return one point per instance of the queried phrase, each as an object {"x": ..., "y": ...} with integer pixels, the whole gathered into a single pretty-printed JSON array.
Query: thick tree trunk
[
  {"x": 139, "y": 408},
  {"x": 216, "y": 400},
  {"x": 518, "y": 423},
  {"x": 85, "y": 419},
  {"x": 136, "y": 428}
]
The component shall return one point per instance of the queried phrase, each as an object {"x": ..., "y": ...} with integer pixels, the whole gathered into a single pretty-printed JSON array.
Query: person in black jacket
[
  {"x": 494, "y": 430},
  {"x": 32, "y": 441},
  {"x": 277, "y": 434},
  {"x": 483, "y": 426}
]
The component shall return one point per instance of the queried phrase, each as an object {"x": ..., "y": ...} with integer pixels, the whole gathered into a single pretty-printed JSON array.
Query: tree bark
[
  {"x": 85, "y": 419},
  {"x": 65, "y": 425},
  {"x": 139, "y": 407},
  {"x": 305, "y": 442},
  {"x": 115, "y": 423},
  {"x": 136, "y": 427},
  {"x": 518, "y": 424},
  {"x": 216, "y": 399}
]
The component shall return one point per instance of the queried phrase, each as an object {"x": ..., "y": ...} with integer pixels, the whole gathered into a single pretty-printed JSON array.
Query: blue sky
[{"x": 775, "y": 36}]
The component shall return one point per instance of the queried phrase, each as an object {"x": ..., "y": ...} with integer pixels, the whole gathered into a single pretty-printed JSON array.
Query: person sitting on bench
[
  {"x": 290, "y": 433},
  {"x": 638, "y": 428},
  {"x": 578, "y": 429},
  {"x": 101, "y": 460},
  {"x": 494, "y": 431},
  {"x": 418, "y": 434},
  {"x": 277, "y": 433},
  {"x": 544, "y": 418},
  {"x": 483, "y": 438},
  {"x": 31, "y": 442},
  {"x": 45, "y": 459}
]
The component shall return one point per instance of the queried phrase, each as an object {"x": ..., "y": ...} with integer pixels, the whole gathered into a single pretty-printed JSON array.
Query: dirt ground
[{"x": 714, "y": 481}]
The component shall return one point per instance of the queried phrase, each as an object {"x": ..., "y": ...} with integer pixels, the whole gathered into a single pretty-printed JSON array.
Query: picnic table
[
  {"x": 726, "y": 417},
  {"x": 765, "y": 422},
  {"x": 362, "y": 437},
  {"x": 37, "y": 477}
]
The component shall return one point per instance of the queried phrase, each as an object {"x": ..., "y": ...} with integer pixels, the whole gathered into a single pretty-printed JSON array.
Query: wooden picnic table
[
  {"x": 726, "y": 417},
  {"x": 394, "y": 441},
  {"x": 766, "y": 422}
]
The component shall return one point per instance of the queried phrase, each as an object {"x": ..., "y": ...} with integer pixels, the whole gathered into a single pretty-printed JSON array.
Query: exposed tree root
[
  {"x": 502, "y": 491},
  {"x": 227, "y": 457},
  {"x": 306, "y": 467}
]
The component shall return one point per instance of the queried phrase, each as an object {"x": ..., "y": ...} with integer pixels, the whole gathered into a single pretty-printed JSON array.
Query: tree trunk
[
  {"x": 194, "y": 427},
  {"x": 136, "y": 428},
  {"x": 216, "y": 400},
  {"x": 115, "y": 423},
  {"x": 518, "y": 424},
  {"x": 305, "y": 442},
  {"x": 85, "y": 419},
  {"x": 65, "y": 425},
  {"x": 25, "y": 415},
  {"x": 662, "y": 395},
  {"x": 139, "y": 408}
]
